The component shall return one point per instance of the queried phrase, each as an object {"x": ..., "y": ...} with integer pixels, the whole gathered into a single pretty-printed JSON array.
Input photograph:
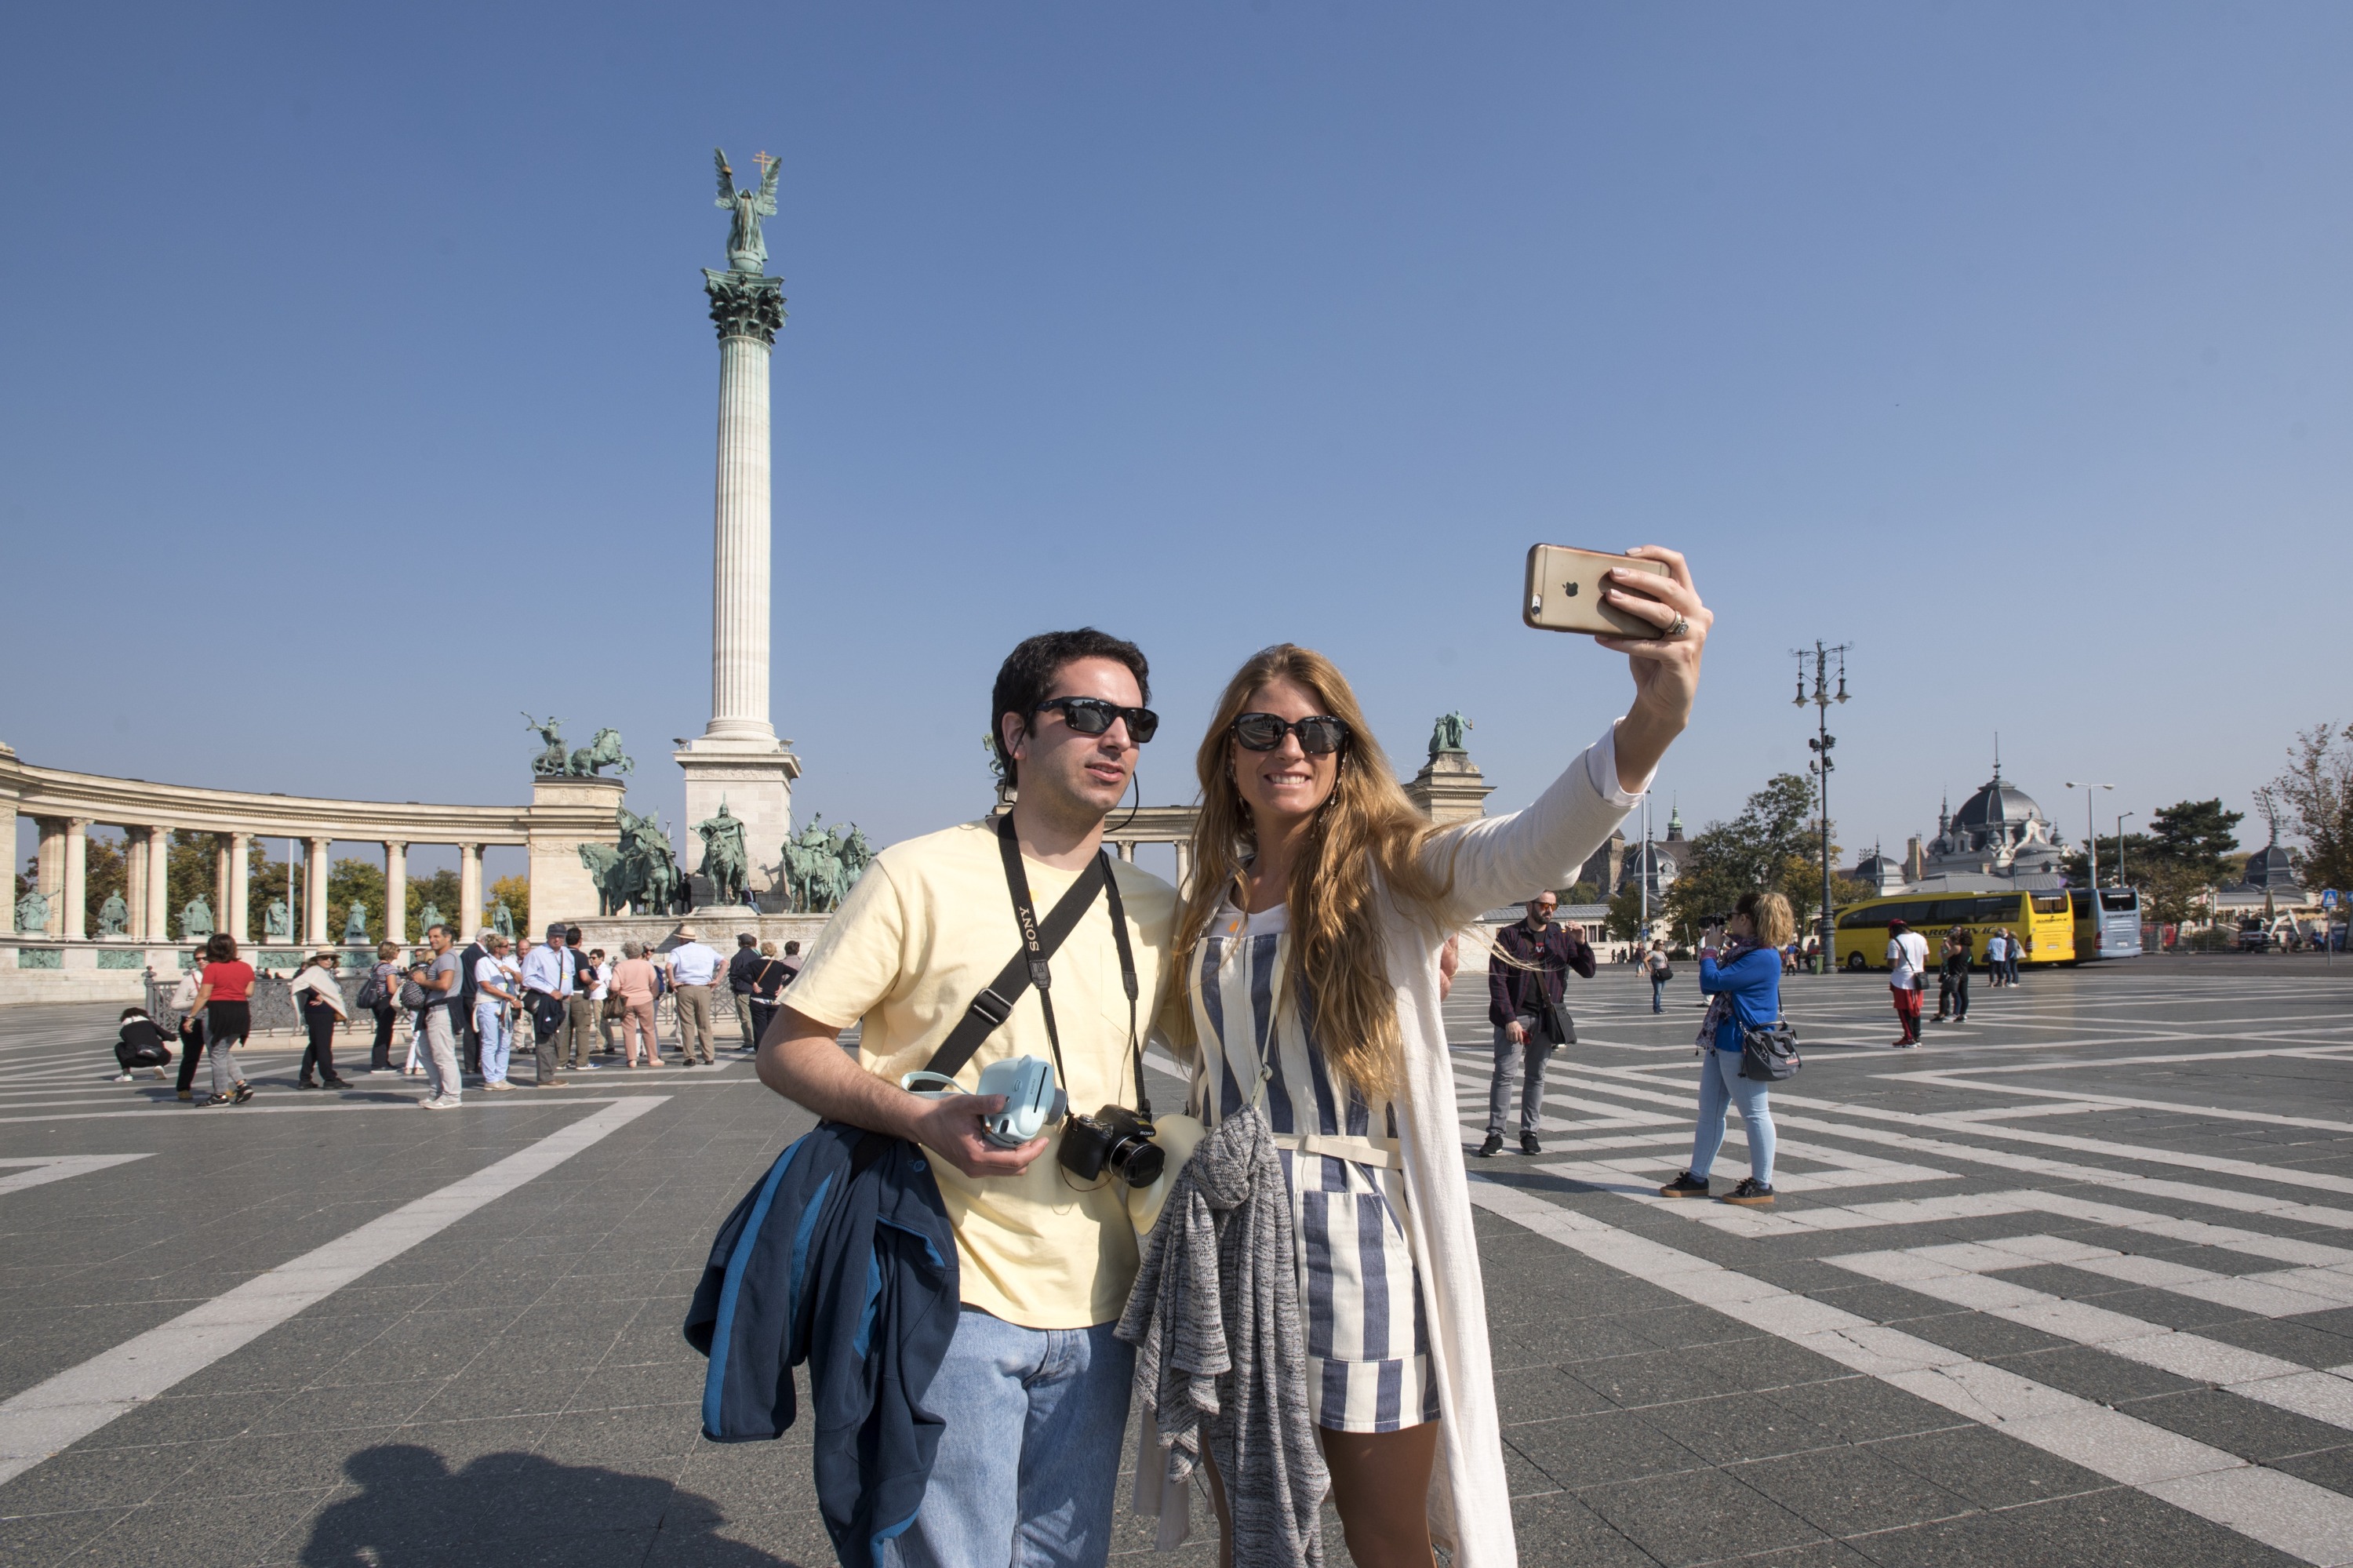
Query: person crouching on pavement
[
  {"x": 1534, "y": 959},
  {"x": 140, "y": 1044},
  {"x": 1744, "y": 977}
]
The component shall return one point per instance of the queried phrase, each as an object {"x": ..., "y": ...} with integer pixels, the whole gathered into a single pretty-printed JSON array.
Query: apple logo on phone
[{"x": 1569, "y": 588}]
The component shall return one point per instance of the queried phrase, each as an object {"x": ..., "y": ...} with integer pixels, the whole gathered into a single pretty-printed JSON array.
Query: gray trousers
[
  {"x": 580, "y": 1026},
  {"x": 1525, "y": 1063},
  {"x": 441, "y": 1054}
]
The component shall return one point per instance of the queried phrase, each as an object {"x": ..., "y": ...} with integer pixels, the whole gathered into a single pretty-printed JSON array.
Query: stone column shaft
[
  {"x": 314, "y": 893},
  {"x": 220, "y": 884},
  {"x": 135, "y": 846},
  {"x": 469, "y": 892},
  {"x": 237, "y": 918},
  {"x": 49, "y": 871},
  {"x": 76, "y": 878},
  {"x": 395, "y": 892},
  {"x": 159, "y": 884},
  {"x": 739, "y": 585}
]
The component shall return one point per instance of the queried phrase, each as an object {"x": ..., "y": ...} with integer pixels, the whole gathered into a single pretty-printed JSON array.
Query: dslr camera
[{"x": 1116, "y": 1139}]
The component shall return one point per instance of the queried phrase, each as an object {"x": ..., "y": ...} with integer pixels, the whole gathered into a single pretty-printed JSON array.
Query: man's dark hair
[
  {"x": 745, "y": 939},
  {"x": 792, "y": 949},
  {"x": 572, "y": 936},
  {"x": 1027, "y": 679}
]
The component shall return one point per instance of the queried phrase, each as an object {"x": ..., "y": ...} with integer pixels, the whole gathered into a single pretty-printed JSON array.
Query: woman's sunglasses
[
  {"x": 1319, "y": 734},
  {"x": 1092, "y": 715}
]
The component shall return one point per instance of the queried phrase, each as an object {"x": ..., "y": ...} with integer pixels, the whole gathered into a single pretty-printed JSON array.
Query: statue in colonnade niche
[
  {"x": 355, "y": 926},
  {"x": 502, "y": 920},
  {"x": 428, "y": 917},
  {"x": 196, "y": 919},
  {"x": 113, "y": 915},
  {"x": 33, "y": 912},
  {"x": 277, "y": 922}
]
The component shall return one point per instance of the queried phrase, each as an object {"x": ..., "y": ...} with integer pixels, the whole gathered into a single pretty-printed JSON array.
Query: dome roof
[
  {"x": 2270, "y": 867},
  {"x": 1996, "y": 803}
]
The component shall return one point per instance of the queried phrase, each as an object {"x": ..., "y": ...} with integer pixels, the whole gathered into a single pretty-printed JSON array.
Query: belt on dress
[{"x": 1381, "y": 1151}]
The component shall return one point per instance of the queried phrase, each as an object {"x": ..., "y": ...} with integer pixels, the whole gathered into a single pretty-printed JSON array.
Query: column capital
[
  {"x": 79, "y": 824},
  {"x": 742, "y": 305}
]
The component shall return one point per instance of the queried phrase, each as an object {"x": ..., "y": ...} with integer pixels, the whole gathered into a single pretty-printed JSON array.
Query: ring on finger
[{"x": 1681, "y": 626}]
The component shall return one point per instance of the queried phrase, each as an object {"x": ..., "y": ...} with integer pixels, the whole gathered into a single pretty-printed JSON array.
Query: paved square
[{"x": 2074, "y": 1284}]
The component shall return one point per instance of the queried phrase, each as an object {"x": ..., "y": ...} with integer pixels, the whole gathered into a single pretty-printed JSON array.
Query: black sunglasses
[
  {"x": 1092, "y": 715},
  {"x": 1319, "y": 734}
]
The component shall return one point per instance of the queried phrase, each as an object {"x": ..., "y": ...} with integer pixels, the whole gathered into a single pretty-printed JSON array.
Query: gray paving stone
[{"x": 1707, "y": 1516}]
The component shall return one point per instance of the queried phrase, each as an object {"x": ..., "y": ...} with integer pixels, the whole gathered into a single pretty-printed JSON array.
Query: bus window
[
  {"x": 2124, "y": 900},
  {"x": 2051, "y": 903},
  {"x": 2001, "y": 910},
  {"x": 1954, "y": 912},
  {"x": 1863, "y": 919}
]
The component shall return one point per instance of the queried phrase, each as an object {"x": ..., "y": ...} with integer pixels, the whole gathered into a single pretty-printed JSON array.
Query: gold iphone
[{"x": 1564, "y": 588}]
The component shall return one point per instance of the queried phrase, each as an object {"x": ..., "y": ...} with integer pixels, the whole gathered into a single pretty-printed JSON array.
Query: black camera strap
[{"x": 1040, "y": 942}]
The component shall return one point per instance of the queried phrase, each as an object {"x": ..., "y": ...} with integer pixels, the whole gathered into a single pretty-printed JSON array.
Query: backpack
[
  {"x": 373, "y": 990},
  {"x": 412, "y": 994}
]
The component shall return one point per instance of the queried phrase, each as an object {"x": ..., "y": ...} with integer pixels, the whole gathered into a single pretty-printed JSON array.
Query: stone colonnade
[{"x": 66, "y": 806}]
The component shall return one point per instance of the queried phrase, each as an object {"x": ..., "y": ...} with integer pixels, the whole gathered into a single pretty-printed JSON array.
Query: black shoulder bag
[{"x": 1554, "y": 1017}]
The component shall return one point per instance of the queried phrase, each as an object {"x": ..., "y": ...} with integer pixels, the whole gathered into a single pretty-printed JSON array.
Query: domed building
[{"x": 1999, "y": 833}]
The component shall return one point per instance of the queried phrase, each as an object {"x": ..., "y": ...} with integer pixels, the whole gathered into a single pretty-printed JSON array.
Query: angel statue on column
[{"x": 747, "y": 252}]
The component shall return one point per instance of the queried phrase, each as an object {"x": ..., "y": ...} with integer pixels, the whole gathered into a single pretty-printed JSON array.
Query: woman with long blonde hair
[{"x": 1310, "y": 946}]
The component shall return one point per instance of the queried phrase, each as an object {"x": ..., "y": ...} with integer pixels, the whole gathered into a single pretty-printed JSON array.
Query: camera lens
[{"x": 1138, "y": 1160}]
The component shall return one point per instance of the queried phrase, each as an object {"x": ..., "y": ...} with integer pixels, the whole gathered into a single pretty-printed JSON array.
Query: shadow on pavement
[{"x": 413, "y": 1510}]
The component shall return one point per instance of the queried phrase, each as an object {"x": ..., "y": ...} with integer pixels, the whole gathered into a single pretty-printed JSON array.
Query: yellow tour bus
[{"x": 2043, "y": 921}]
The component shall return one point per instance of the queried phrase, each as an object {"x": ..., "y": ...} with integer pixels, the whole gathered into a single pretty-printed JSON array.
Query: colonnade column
[
  {"x": 76, "y": 878},
  {"x": 1184, "y": 864},
  {"x": 220, "y": 883},
  {"x": 395, "y": 892},
  {"x": 49, "y": 872},
  {"x": 159, "y": 885},
  {"x": 314, "y": 893},
  {"x": 134, "y": 881},
  {"x": 237, "y": 918},
  {"x": 469, "y": 891}
]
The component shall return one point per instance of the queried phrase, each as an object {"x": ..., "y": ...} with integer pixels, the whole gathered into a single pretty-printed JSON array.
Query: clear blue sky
[{"x": 357, "y": 364}]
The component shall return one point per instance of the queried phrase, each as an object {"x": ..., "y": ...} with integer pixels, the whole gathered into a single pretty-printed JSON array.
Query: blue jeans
[
  {"x": 1029, "y": 1462},
  {"x": 1720, "y": 1087},
  {"x": 491, "y": 1026},
  {"x": 1657, "y": 987}
]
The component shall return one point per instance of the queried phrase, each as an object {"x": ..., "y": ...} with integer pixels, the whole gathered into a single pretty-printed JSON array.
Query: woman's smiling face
[{"x": 1287, "y": 783}]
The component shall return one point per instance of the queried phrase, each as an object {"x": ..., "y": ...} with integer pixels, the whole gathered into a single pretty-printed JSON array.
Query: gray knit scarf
[{"x": 1215, "y": 1322}]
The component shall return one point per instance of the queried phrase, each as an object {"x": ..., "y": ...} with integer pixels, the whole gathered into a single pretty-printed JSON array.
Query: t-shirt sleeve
[{"x": 859, "y": 959}]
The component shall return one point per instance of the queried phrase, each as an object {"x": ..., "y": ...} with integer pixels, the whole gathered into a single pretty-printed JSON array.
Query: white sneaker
[
  {"x": 585, "y": 1068},
  {"x": 122, "y": 1077},
  {"x": 441, "y": 1102}
]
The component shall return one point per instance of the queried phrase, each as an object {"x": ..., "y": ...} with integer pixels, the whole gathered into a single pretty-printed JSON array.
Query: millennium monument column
[{"x": 737, "y": 761}]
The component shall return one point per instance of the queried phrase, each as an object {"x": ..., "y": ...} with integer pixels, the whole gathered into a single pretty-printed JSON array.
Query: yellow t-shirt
[{"x": 929, "y": 925}]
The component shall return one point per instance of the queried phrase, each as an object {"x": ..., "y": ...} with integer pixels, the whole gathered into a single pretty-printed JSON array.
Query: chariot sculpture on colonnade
[{"x": 603, "y": 750}]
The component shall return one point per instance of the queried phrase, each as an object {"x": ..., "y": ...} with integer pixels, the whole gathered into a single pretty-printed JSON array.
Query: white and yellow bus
[{"x": 2044, "y": 922}]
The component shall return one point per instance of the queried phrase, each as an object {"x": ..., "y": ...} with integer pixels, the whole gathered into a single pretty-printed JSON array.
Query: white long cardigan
[{"x": 1495, "y": 861}]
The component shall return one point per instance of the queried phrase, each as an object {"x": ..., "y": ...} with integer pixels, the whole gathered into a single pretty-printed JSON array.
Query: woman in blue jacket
[{"x": 1744, "y": 982}]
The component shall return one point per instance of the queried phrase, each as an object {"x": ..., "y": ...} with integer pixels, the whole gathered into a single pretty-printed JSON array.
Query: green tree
[
  {"x": 105, "y": 870},
  {"x": 2197, "y": 838},
  {"x": 1775, "y": 842},
  {"x": 2316, "y": 794},
  {"x": 191, "y": 867},
  {"x": 440, "y": 890},
  {"x": 2139, "y": 850},
  {"x": 1625, "y": 921},
  {"x": 355, "y": 879}
]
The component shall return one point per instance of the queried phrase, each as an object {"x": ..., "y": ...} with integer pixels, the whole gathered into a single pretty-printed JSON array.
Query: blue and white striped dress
[{"x": 1367, "y": 1337}]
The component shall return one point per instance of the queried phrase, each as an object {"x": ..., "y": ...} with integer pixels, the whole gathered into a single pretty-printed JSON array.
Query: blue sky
[{"x": 361, "y": 354}]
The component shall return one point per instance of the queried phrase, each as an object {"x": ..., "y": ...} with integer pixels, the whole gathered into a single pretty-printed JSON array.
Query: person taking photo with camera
[
  {"x": 1308, "y": 989},
  {"x": 1034, "y": 1387}
]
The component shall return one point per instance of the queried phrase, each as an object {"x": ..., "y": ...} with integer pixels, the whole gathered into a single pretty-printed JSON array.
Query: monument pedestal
[
  {"x": 1450, "y": 789},
  {"x": 755, "y": 778},
  {"x": 565, "y": 814}
]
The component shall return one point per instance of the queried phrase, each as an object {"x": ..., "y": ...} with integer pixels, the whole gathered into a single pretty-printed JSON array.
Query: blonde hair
[
  {"x": 1769, "y": 913},
  {"x": 1367, "y": 827}
]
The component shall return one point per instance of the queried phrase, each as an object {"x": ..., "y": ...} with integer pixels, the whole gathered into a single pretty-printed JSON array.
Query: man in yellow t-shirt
[{"x": 1034, "y": 1389}]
